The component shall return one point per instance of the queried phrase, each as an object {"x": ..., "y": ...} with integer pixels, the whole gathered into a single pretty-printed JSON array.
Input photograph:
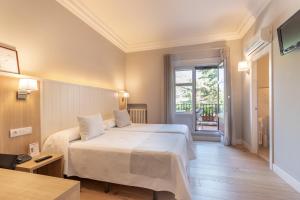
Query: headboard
[{"x": 61, "y": 103}]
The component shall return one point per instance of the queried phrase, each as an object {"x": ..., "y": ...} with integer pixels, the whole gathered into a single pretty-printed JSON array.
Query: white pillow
[
  {"x": 90, "y": 126},
  {"x": 109, "y": 123},
  {"x": 122, "y": 118}
]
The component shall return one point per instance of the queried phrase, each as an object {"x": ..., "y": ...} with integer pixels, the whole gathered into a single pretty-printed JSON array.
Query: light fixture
[
  {"x": 125, "y": 94},
  {"x": 243, "y": 66},
  {"x": 26, "y": 86},
  {"x": 122, "y": 94}
]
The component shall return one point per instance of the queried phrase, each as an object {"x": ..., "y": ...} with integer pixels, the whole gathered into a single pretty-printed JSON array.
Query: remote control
[{"x": 42, "y": 158}]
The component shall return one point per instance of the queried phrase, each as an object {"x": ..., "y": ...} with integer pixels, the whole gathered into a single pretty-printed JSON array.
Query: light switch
[{"x": 20, "y": 131}]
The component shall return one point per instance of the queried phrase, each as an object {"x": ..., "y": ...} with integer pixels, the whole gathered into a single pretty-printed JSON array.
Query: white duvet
[
  {"x": 149, "y": 160},
  {"x": 163, "y": 128}
]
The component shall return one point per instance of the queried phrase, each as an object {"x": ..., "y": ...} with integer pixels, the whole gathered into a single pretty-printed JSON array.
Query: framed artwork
[
  {"x": 34, "y": 149},
  {"x": 9, "y": 61}
]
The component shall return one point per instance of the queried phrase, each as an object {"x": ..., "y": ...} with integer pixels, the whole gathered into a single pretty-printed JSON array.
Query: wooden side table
[{"x": 50, "y": 167}]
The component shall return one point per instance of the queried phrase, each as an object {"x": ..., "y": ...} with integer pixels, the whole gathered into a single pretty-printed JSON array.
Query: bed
[
  {"x": 143, "y": 159},
  {"x": 162, "y": 128}
]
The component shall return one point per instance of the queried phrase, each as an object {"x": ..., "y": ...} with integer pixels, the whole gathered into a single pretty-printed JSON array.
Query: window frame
[{"x": 183, "y": 84}]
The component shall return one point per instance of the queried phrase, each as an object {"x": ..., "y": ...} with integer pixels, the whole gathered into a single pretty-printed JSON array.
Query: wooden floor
[{"x": 219, "y": 173}]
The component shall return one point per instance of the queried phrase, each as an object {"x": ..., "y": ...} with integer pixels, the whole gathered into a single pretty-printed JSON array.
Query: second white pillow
[
  {"x": 122, "y": 118},
  {"x": 90, "y": 126}
]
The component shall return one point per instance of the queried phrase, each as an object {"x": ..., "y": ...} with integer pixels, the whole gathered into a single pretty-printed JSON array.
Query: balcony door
[
  {"x": 208, "y": 102},
  {"x": 199, "y": 92}
]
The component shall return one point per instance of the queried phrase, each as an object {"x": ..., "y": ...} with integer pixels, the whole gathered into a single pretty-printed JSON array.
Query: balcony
[{"x": 206, "y": 115}]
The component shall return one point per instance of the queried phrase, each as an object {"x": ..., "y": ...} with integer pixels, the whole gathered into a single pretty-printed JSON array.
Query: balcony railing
[
  {"x": 207, "y": 112},
  {"x": 184, "y": 107}
]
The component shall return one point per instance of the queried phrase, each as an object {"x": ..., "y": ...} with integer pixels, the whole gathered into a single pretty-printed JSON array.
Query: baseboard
[
  {"x": 246, "y": 145},
  {"x": 237, "y": 141},
  {"x": 287, "y": 178},
  {"x": 206, "y": 138}
]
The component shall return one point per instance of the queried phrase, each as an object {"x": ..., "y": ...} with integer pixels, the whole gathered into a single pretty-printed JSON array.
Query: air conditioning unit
[{"x": 258, "y": 42}]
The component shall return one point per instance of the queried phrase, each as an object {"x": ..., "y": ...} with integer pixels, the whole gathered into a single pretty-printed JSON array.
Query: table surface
[
  {"x": 32, "y": 165},
  {"x": 16, "y": 185}
]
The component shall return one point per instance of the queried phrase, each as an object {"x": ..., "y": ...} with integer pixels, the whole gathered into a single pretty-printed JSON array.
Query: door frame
[
  {"x": 253, "y": 102},
  {"x": 227, "y": 100}
]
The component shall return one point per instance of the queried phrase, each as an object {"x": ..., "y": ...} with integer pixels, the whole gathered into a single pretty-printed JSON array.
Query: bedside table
[{"x": 50, "y": 167}]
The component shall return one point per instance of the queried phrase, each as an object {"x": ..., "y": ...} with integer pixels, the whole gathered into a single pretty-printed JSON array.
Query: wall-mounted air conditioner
[{"x": 259, "y": 41}]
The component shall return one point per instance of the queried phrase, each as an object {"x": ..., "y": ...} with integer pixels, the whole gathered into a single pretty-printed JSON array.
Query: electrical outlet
[
  {"x": 13, "y": 133},
  {"x": 20, "y": 131}
]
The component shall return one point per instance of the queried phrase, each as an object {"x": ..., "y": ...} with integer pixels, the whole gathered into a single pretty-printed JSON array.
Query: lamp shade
[
  {"x": 27, "y": 84},
  {"x": 122, "y": 94},
  {"x": 126, "y": 94},
  {"x": 243, "y": 66}
]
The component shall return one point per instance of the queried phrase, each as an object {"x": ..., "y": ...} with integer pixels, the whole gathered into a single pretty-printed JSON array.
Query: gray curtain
[
  {"x": 228, "y": 127},
  {"x": 167, "y": 88}
]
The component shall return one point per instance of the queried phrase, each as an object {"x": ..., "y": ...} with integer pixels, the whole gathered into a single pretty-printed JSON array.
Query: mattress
[
  {"x": 163, "y": 128},
  {"x": 149, "y": 160}
]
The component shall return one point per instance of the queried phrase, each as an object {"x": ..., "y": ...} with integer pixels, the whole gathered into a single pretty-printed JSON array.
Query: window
[{"x": 183, "y": 90}]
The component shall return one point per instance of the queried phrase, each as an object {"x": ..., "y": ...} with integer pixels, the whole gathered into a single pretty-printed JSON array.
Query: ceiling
[{"x": 137, "y": 25}]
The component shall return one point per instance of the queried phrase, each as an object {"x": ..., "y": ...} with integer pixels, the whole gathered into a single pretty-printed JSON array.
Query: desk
[
  {"x": 15, "y": 185},
  {"x": 51, "y": 167}
]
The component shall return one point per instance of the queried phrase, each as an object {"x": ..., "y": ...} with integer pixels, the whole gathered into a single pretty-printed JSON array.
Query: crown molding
[
  {"x": 81, "y": 11},
  {"x": 249, "y": 20},
  {"x": 183, "y": 42}
]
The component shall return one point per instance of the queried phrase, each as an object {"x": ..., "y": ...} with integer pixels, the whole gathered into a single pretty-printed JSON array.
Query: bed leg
[
  {"x": 155, "y": 197},
  {"x": 107, "y": 187}
]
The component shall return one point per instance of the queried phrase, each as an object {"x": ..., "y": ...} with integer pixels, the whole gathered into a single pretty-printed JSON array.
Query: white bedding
[
  {"x": 163, "y": 128},
  {"x": 154, "y": 161}
]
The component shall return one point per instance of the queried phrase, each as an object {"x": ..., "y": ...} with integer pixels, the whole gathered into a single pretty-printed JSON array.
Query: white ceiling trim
[
  {"x": 249, "y": 20},
  {"x": 78, "y": 9},
  {"x": 183, "y": 42},
  {"x": 81, "y": 11}
]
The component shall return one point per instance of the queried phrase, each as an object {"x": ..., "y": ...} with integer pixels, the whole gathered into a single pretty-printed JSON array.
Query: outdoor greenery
[
  {"x": 207, "y": 86},
  {"x": 206, "y": 90}
]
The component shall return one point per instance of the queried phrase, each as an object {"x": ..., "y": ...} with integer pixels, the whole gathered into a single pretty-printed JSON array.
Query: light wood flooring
[{"x": 218, "y": 173}]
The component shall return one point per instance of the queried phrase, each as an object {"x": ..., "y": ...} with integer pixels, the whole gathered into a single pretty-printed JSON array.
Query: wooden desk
[
  {"x": 15, "y": 185},
  {"x": 51, "y": 167}
]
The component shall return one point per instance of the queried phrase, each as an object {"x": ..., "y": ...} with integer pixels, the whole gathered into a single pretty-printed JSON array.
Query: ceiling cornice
[
  {"x": 183, "y": 42},
  {"x": 81, "y": 11},
  {"x": 249, "y": 20}
]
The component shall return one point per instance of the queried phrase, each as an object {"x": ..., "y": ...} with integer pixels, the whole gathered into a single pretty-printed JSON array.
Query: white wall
[
  {"x": 286, "y": 70},
  {"x": 54, "y": 44}
]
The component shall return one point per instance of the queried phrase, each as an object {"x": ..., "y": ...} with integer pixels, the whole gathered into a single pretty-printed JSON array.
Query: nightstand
[{"x": 50, "y": 167}]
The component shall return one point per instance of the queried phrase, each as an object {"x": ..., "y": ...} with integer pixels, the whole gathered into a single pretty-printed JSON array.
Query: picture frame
[
  {"x": 9, "y": 61},
  {"x": 34, "y": 149}
]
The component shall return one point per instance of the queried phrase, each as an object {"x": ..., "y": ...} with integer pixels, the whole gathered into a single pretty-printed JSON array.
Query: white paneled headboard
[{"x": 61, "y": 103}]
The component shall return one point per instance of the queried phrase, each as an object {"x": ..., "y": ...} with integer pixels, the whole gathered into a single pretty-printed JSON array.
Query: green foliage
[
  {"x": 207, "y": 90},
  {"x": 207, "y": 86}
]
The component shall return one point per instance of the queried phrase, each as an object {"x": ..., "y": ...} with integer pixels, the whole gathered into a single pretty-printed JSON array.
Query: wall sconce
[
  {"x": 123, "y": 95},
  {"x": 243, "y": 66},
  {"x": 26, "y": 86}
]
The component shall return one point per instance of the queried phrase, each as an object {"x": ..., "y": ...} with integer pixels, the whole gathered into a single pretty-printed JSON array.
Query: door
[
  {"x": 207, "y": 98},
  {"x": 263, "y": 104},
  {"x": 221, "y": 99}
]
